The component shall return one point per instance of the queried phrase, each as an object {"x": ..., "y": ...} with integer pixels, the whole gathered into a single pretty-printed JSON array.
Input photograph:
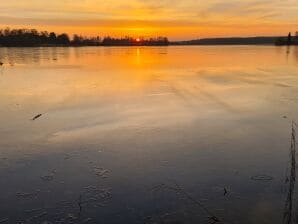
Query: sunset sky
[{"x": 177, "y": 19}]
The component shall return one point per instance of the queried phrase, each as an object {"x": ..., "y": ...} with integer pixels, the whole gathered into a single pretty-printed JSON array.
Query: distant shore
[
  {"x": 34, "y": 38},
  {"x": 230, "y": 41}
]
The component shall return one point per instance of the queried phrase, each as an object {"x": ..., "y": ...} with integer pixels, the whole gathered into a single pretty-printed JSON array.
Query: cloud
[{"x": 212, "y": 15}]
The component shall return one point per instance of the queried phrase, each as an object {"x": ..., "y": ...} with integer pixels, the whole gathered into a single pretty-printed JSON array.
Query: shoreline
[{"x": 107, "y": 46}]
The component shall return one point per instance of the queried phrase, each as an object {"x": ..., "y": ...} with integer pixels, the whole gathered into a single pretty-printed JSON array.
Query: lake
[{"x": 147, "y": 135}]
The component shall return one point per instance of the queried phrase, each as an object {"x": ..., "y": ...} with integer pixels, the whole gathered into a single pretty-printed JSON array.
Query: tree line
[
  {"x": 128, "y": 41},
  {"x": 32, "y": 37},
  {"x": 289, "y": 40}
]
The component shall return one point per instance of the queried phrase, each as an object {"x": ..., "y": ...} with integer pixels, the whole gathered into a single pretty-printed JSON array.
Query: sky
[{"x": 176, "y": 19}]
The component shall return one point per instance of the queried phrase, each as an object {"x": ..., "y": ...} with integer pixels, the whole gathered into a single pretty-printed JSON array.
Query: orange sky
[{"x": 187, "y": 19}]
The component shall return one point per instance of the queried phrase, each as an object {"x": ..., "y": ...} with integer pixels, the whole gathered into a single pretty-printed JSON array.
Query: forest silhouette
[{"x": 33, "y": 38}]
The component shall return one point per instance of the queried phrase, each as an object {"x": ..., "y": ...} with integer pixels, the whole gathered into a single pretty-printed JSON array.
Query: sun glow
[{"x": 188, "y": 19}]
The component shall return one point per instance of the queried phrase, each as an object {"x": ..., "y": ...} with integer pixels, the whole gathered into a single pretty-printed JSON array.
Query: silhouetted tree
[
  {"x": 52, "y": 38},
  {"x": 76, "y": 39},
  {"x": 289, "y": 41},
  {"x": 63, "y": 39}
]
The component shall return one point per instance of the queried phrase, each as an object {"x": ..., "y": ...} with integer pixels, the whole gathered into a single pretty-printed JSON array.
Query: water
[{"x": 121, "y": 127}]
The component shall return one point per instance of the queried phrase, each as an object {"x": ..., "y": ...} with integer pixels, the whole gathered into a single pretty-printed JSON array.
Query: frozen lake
[{"x": 146, "y": 135}]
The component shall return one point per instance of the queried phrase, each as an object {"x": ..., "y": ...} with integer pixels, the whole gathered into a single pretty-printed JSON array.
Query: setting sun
[
  {"x": 138, "y": 39},
  {"x": 187, "y": 19}
]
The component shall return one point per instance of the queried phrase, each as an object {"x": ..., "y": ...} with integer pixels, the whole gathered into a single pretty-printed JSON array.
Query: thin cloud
[{"x": 215, "y": 16}]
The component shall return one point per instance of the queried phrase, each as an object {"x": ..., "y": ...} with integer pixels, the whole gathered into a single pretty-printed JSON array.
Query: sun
[{"x": 138, "y": 39}]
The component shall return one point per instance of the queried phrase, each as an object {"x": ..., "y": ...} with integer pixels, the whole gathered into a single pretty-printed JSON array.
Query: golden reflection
[
  {"x": 134, "y": 85},
  {"x": 118, "y": 72},
  {"x": 138, "y": 56},
  {"x": 133, "y": 107}
]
